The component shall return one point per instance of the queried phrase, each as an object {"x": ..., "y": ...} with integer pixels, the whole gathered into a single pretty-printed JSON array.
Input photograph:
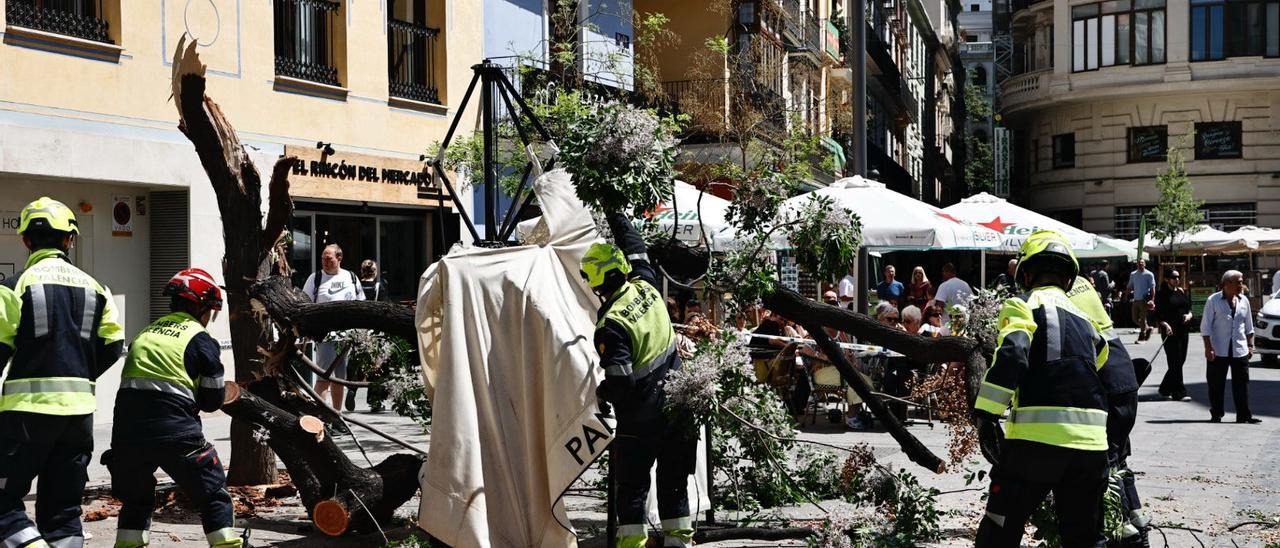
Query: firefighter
[
  {"x": 1120, "y": 380},
  {"x": 637, "y": 350},
  {"x": 173, "y": 372},
  {"x": 1046, "y": 368},
  {"x": 59, "y": 327}
]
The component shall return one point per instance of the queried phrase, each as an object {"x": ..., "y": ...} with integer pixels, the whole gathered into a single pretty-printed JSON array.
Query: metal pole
[
  {"x": 490, "y": 170},
  {"x": 857, "y": 19}
]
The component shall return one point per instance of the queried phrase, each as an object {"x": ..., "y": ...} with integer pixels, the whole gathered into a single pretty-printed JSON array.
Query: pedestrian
[
  {"x": 919, "y": 291},
  {"x": 637, "y": 350},
  {"x": 952, "y": 292},
  {"x": 371, "y": 282},
  {"x": 1006, "y": 279},
  {"x": 1120, "y": 382},
  {"x": 1142, "y": 285},
  {"x": 1227, "y": 328},
  {"x": 890, "y": 290},
  {"x": 1173, "y": 315},
  {"x": 1046, "y": 367},
  {"x": 332, "y": 283},
  {"x": 847, "y": 289},
  {"x": 173, "y": 372},
  {"x": 70, "y": 338}
]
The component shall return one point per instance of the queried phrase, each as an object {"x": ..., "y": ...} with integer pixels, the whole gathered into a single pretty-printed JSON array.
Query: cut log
[
  {"x": 752, "y": 533},
  {"x": 313, "y": 425},
  {"x": 320, "y": 468},
  {"x": 294, "y": 310}
]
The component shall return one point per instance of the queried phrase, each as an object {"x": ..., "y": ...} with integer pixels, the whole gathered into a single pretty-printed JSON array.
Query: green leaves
[
  {"x": 1177, "y": 211},
  {"x": 824, "y": 237}
]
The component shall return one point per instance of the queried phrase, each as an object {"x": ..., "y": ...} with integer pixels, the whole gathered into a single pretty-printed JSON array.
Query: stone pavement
[{"x": 1191, "y": 473}]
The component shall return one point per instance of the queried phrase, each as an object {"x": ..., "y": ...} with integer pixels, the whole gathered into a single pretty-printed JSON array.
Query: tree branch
[
  {"x": 280, "y": 205},
  {"x": 294, "y": 311}
]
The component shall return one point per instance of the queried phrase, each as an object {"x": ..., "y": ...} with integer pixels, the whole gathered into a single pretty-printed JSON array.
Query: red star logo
[
  {"x": 656, "y": 211},
  {"x": 948, "y": 217},
  {"x": 996, "y": 225}
]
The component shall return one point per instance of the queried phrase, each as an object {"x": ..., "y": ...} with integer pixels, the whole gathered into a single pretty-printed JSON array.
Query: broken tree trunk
[
  {"x": 237, "y": 185},
  {"x": 293, "y": 310},
  {"x": 339, "y": 496}
]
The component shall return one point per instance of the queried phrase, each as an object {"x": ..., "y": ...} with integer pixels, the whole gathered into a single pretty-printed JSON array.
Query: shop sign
[
  {"x": 9, "y": 221},
  {"x": 361, "y": 177},
  {"x": 122, "y": 216}
]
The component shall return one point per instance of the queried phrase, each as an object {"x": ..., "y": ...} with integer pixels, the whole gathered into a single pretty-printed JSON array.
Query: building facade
[
  {"x": 357, "y": 90},
  {"x": 978, "y": 56},
  {"x": 1102, "y": 89}
]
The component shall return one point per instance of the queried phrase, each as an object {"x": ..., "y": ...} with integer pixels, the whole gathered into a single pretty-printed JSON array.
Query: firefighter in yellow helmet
[
  {"x": 637, "y": 350},
  {"x": 1046, "y": 370},
  {"x": 58, "y": 334}
]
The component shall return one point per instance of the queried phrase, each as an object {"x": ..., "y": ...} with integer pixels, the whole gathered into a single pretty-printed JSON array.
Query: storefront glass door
[{"x": 399, "y": 244}]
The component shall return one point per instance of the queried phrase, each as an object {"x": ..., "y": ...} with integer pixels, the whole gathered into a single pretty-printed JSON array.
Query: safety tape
[{"x": 859, "y": 349}]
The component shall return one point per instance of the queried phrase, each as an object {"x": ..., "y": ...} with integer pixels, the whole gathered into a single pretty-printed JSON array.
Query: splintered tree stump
[{"x": 320, "y": 468}]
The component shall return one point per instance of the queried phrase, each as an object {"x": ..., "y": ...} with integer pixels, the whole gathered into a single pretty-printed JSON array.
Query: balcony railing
[
  {"x": 305, "y": 40},
  {"x": 976, "y": 48},
  {"x": 78, "y": 18},
  {"x": 812, "y": 33},
  {"x": 794, "y": 21},
  {"x": 1024, "y": 87},
  {"x": 411, "y": 61}
]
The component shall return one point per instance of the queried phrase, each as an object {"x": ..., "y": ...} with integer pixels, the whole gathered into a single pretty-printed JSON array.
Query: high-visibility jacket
[
  {"x": 1046, "y": 368},
  {"x": 1119, "y": 379},
  {"x": 640, "y": 310},
  {"x": 173, "y": 371},
  {"x": 59, "y": 325}
]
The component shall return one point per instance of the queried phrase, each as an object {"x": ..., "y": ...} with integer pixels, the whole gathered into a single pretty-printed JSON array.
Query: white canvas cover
[
  {"x": 505, "y": 337},
  {"x": 1015, "y": 223},
  {"x": 1200, "y": 239}
]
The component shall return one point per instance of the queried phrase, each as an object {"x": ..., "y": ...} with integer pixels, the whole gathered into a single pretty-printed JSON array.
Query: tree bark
[
  {"x": 339, "y": 496},
  {"x": 237, "y": 185},
  {"x": 294, "y": 311},
  {"x": 752, "y": 533}
]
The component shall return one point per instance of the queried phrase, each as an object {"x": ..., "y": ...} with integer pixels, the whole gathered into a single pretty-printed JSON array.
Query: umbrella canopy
[
  {"x": 1201, "y": 239},
  {"x": 1268, "y": 239},
  {"x": 1015, "y": 223},
  {"x": 1111, "y": 247},
  {"x": 687, "y": 227},
  {"x": 897, "y": 221}
]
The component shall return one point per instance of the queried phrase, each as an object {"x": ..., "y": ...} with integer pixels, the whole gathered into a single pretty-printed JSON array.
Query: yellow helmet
[
  {"x": 48, "y": 213},
  {"x": 1048, "y": 247},
  {"x": 600, "y": 260}
]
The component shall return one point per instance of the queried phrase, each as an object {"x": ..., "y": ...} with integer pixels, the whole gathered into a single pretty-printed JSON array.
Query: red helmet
[{"x": 197, "y": 286}]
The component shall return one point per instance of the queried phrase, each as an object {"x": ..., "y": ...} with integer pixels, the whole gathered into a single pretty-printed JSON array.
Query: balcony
[
  {"x": 794, "y": 24},
  {"x": 77, "y": 18},
  {"x": 976, "y": 48},
  {"x": 411, "y": 61},
  {"x": 812, "y": 33},
  {"x": 1025, "y": 88},
  {"x": 305, "y": 40}
]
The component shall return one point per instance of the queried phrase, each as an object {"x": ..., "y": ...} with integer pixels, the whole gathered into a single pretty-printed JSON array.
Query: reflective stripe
[
  {"x": 86, "y": 320},
  {"x": 1052, "y": 333},
  {"x": 996, "y": 518},
  {"x": 995, "y": 393},
  {"x": 22, "y": 537},
  {"x": 1059, "y": 416},
  {"x": 156, "y": 385},
  {"x": 42, "y": 386},
  {"x": 221, "y": 535},
  {"x": 211, "y": 382},
  {"x": 39, "y": 311},
  {"x": 617, "y": 371},
  {"x": 638, "y": 257},
  {"x": 672, "y": 524},
  {"x": 76, "y": 541},
  {"x": 1139, "y": 519},
  {"x": 660, "y": 358},
  {"x": 670, "y": 541},
  {"x": 131, "y": 536},
  {"x": 640, "y": 530}
]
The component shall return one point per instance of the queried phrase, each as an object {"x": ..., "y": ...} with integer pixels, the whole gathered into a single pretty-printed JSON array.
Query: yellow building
[{"x": 86, "y": 118}]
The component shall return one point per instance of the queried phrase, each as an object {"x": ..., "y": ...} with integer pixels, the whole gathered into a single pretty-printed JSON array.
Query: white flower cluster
[
  {"x": 631, "y": 133},
  {"x": 848, "y": 526},
  {"x": 984, "y": 315},
  {"x": 695, "y": 386}
]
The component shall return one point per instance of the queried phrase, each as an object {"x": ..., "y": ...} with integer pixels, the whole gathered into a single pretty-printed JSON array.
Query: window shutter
[{"x": 170, "y": 241}]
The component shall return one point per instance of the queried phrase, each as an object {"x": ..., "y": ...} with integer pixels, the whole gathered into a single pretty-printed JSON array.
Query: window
[
  {"x": 306, "y": 39},
  {"x": 79, "y": 18},
  {"x": 1117, "y": 32},
  {"x": 1148, "y": 144},
  {"x": 1064, "y": 150},
  {"x": 1225, "y": 217},
  {"x": 1128, "y": 220},
  {"x": 1221, "y": 29},
  {"x": 411, "y": 53},
  {"x": 973, "y": 7},
  {"x": 980, "y": 76},
  {"x": 1218, "y": 140}
]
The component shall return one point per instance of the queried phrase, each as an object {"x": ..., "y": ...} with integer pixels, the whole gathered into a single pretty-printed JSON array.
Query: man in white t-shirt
[
  {"x": 847, "y": 290},
  {"x": 335, "y": 284},
  {"x": 952, "y": 292}
]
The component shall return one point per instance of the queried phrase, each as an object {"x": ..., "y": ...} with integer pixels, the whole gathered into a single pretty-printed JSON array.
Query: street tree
[
  {"x": 1177, "y": 211},
  {"x": 979, "y": 168}
]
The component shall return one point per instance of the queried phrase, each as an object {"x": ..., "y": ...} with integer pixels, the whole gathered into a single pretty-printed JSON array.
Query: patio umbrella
[
  {"x": 1112, "y": 247},
  {"x": 891, "y": 220},
  {"x": 1199, "y": 240},
  {"x": 687, "y": 228},
  {"x": 1268, "y": 239},
  {"x": 1015, "y": 223}
]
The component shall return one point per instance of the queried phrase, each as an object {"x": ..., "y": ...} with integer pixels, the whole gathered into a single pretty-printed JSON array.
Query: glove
[
  {"x": 605, "y": 408},
  {"x": 990, "y": 435}
]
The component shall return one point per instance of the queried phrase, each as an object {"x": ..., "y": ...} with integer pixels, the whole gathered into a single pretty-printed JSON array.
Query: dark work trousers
[
  {"x": 1217, "y": 374},
  {"x": 194, "y": 465},
  {"x": 1175, "y": 353},
  {"x": 56, "y": 449},
  {"x": 1028, "y": 471},
  {"x": 632, "y": 455}
]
